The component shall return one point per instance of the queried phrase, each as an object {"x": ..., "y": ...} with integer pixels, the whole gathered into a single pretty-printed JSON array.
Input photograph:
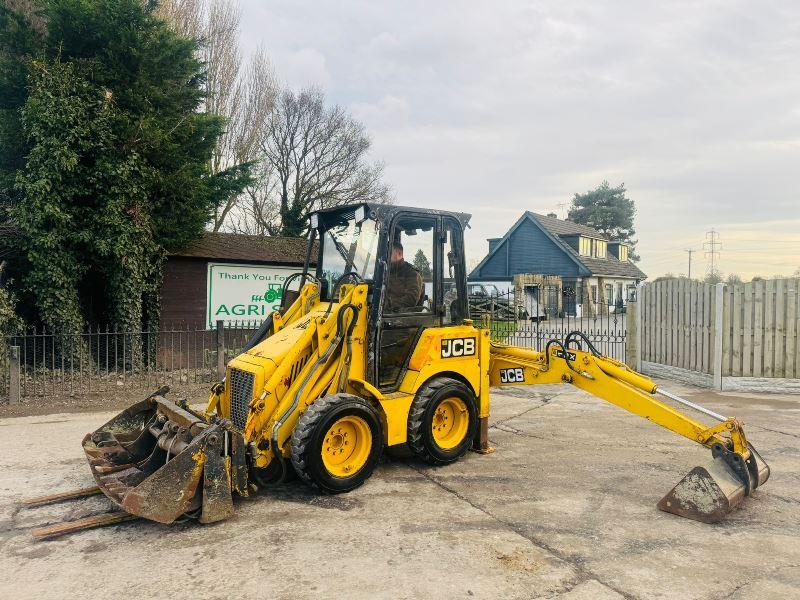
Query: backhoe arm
[{"x": 614, "y": 382}]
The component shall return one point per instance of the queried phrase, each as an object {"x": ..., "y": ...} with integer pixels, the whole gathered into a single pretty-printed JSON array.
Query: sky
[{"x": 494, "y": 108}]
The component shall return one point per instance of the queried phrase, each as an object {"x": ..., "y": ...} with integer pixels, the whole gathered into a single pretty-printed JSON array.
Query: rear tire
[
  {"x": 337, "y": 443},
  {"x": 442, "y": 421}
]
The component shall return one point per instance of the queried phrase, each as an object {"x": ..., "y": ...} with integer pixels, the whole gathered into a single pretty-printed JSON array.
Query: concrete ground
[{"x": 564, "y": 508}]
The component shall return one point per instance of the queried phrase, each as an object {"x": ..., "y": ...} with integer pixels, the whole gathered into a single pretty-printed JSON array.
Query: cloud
[
  {"x": 501, "y": 107},
  {"x": 306, "y": 67}
]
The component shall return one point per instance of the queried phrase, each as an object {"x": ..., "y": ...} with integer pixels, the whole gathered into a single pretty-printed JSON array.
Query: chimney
[{"x": 493, "y": 243}]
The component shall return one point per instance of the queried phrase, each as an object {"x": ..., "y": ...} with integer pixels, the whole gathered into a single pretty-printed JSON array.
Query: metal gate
[{"x": 537, "y": 314}]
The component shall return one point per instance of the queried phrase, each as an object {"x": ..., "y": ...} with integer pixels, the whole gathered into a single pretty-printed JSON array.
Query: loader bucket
[
  {"x": 161, "y": 461},
  {"x": 708, "y": 493}
]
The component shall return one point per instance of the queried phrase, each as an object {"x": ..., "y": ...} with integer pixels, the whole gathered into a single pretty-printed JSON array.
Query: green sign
[{"x": 244, "y": 293}]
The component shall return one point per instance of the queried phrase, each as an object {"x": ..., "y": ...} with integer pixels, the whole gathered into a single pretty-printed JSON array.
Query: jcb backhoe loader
[{"x": 335, "y": 376}]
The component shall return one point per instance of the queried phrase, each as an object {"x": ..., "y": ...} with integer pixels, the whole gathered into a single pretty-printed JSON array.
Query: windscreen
[{"x": 349, "y": 248}]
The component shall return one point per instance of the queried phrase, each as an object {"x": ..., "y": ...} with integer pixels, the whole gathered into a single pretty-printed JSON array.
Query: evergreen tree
[
  {"x": 422, "y": 265},
  {"x": 610, "y": 211},
  {"x": 107, "y": 112}
]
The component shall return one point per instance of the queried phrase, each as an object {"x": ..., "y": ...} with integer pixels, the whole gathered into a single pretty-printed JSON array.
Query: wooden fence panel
[
  {"x": 706, "y": 362},
  {"x": 660, "y": 320},
  {"x": 674, "y": 313},
  {"x": 727, "y": 309},
  {"x": 791, "y": 345},
  {"x": 748, "y": 292},
  {"x": 686, "y": 296},
  {"x": 760, "y": 327},
  {"x": 692, "y": 337},
  {"x": 769, "y": 329},
  {"x": 736, "y": 333},
  {"x": 779, "y": 343},
  {"x": 712, "y": 325}
]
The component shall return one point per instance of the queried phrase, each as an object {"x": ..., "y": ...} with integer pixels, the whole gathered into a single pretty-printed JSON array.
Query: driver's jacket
[{"x": 404, "y": 288}]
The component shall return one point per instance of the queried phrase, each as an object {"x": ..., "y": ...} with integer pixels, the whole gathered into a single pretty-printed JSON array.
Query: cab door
[
  {"x": 434, "y": 247},
  {"x": 401, "y": 323}
]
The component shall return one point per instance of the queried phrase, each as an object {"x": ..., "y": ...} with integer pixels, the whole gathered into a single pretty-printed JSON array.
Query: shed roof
[{"x": 253, "y": 248}]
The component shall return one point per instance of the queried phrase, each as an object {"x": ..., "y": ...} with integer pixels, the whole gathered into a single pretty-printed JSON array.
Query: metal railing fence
[
  {"x": 39, "y": 363},
  {"x": 531, "y": 318},
  {"x": 50, "y": 363}
]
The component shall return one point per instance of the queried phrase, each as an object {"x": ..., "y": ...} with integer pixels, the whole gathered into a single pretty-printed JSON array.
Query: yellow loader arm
[{"x": 706, "y": 493}]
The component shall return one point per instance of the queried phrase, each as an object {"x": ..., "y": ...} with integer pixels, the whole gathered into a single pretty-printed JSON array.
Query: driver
[{"x": 404, "y": 287}]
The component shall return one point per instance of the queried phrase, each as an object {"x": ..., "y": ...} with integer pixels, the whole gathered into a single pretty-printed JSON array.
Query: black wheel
[
  {"x": 337, "y": 443},
  {"x": 442, "y": 421}
]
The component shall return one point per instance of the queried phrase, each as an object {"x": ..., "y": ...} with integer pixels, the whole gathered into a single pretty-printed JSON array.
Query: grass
[{"x": 502, "y": 330}]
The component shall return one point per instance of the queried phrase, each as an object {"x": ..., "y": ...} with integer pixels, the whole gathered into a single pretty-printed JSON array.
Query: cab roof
[{"x": 383, "y": 212}]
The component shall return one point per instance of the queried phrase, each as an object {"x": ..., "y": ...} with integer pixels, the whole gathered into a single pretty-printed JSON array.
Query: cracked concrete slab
[{"x": 565, "y": 507}]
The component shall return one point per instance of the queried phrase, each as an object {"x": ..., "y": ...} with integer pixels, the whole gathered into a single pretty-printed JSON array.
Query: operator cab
[{"x": 370, "y": 243}]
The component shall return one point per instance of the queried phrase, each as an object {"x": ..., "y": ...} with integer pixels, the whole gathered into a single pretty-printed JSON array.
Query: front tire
[
  {"x": 442, "y": 421},
  {"x": 337, "y": 443}
]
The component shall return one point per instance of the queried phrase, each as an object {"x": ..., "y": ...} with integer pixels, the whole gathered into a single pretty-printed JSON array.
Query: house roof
[
  {"x": 253, "y": 248},
  {"x": 609, "y": 266},
  {"x": 556, "y": 229},
  {"x": 559, "y": 227}
]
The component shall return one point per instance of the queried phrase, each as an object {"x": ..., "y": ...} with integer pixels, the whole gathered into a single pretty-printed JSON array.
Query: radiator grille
[{"x": 241, "y": 395}]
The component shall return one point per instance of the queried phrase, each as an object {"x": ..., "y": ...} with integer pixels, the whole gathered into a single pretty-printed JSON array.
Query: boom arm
[
  {"x": 738, "y": 469},
  {"x": 614, "y": 382}
]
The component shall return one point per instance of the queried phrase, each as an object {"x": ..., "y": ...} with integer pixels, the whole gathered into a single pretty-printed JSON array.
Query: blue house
[{"x": 593, "y": 271}]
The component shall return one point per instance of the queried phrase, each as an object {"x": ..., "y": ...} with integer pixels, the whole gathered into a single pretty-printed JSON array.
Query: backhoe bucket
[
  {"x": 710, "y": 492},
  {"x": 161, "y": 461}
]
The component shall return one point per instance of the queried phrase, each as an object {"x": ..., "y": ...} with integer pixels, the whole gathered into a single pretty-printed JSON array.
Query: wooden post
[
  {"x": 14, "y": 384},
  {"x": 638, "y": 334},
  {"x": 719, "y": 307},
  {"x": 220, "y": 350},
  {"x": 631, "y": 318}
]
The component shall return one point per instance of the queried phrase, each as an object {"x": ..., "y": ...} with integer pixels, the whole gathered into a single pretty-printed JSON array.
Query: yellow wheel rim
[
  {"x": 346, "y": 446},
  {"x": 450, "y": 423}
]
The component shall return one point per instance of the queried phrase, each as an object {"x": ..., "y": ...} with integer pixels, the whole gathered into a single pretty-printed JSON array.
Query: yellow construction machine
[{"x": 343, "y": 370}]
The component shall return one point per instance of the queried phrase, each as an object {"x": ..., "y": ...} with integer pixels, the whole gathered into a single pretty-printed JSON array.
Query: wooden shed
[{"x": 228, "y": 276}]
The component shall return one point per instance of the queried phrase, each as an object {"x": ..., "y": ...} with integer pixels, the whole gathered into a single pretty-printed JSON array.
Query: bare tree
[
  {"x": 313, "y": 157},
  {"x": 186, "y": 17},
  {"x": 733, "y": 279},
  {"x": 242, "y": 95},
  {"x": 254, "y": 97}
]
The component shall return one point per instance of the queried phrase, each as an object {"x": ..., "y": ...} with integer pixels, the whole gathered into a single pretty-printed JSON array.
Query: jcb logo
[
  {"x": 458, "y": 347},
  {"x": 512, "y": 375}
]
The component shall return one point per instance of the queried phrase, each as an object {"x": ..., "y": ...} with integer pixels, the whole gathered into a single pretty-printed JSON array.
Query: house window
[
  {"x": 600, "y": 248},
  {"x": 609, "y": 294},
  {"x": 585, "y": 246},
  {"x": 623, "y": 253}
]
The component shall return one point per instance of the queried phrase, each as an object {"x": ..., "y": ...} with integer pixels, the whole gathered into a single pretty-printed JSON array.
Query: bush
[{"x": 9, "y": 323}]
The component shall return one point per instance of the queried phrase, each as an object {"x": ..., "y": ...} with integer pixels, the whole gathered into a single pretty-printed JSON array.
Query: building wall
[
  {"x": 183, "y": 292},
  {"x": 528, "y": 250}
]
